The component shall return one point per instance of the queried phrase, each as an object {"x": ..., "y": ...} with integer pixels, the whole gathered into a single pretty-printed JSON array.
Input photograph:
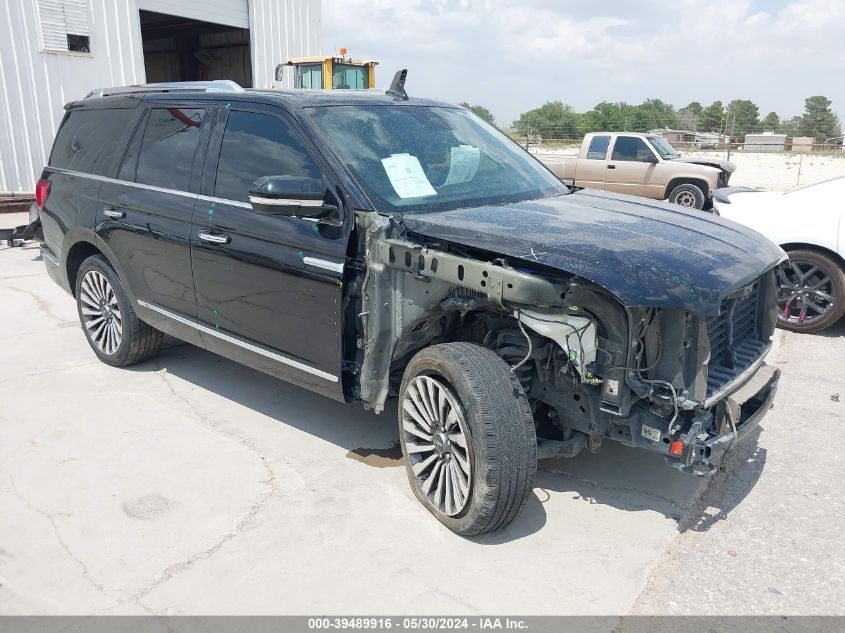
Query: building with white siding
[{"x": 55, "y": 51}]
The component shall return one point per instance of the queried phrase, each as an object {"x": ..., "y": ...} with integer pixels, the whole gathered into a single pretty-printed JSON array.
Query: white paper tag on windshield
[
  {"x": 463, "y": 165},
  {"x": 407, "y": 176}
]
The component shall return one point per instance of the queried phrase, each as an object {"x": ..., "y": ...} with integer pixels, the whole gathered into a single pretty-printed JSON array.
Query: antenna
[{"x": 397, "y": 86}]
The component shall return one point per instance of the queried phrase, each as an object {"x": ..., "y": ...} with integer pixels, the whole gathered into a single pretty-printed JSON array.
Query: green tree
[
  {"x": 655, "y": 113},
  {"x": 742, "y": 116},
  {"x": 481, "y": 112},
  {"x": 554, "y": 119},
  {"x": 818, "y": 120},
  {"x": 711, "y": 117},
  {"x": 791, "y": 127},
  {"x": 770, "y": 123},
  {"x": 694, "y": 107}
]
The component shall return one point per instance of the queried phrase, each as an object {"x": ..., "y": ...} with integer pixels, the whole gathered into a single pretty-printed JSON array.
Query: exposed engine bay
[{"x": 592, "y": 368}]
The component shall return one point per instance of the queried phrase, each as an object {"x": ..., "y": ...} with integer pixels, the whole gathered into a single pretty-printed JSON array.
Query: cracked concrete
[{"x": 190, "y": 484}]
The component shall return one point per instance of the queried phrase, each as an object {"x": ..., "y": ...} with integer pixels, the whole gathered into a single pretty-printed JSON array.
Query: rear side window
[
  {"x": 168, "y": 147},
  {"x": 256, "y": 145},
  {"x": 90, "y": 141},
  {"x": 598, "y": 147}
]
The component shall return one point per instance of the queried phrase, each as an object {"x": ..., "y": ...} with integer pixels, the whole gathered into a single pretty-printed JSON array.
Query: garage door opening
[{"x": 185, "y": 49}]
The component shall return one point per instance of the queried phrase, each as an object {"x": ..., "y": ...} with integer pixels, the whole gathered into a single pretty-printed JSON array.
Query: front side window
[
  {"x": 256, "y": 145},
  {"x": 89, "y": 140},
  {"x": 631, "y": 148},
  {"x": 598, "y": 148},
  {"x": 348, "y": 76},
  {"x": 309, "y": 76},
  {"x": 168, "y": 147},
  {"x": 415, "y": 159}
]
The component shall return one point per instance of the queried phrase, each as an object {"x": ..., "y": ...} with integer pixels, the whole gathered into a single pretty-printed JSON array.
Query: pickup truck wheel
[
  {"x": 687, "y": 195},
  {"x": 811, "y": 293},
  {"x": 467, "y": 436},
  {"x": 115, "y": 333}
]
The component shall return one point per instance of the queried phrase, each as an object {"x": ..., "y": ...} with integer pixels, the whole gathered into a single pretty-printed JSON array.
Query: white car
[{"x": 809, "y": 224}]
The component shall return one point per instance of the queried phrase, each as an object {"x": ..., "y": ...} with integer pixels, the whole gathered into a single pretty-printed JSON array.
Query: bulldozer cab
[{"x": 333, "y": 72}]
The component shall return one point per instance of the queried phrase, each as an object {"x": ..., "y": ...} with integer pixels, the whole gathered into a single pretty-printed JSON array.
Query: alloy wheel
[
  {"x": 806, "y": 292},
  {"x": 436, "y": 443},
  {"x": 101, "y": 312}
]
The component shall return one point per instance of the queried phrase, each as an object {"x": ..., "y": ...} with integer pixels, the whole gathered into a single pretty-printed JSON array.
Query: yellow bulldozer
[{"x": 331, "y": 72}]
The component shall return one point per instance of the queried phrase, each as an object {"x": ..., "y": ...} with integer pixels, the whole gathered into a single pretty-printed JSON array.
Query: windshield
[
  {"x": 414, "y": 159},
  {"x": 666, "y": 151}
]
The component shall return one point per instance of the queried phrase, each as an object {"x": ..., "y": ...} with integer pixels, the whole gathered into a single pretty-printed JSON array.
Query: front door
[
  {"x": 629, "y": 170},
  {"x": 269, "y": 287}
]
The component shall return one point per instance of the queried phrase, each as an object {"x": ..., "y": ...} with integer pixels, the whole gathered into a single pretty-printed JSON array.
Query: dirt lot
[{"x": 190, "y": 484}]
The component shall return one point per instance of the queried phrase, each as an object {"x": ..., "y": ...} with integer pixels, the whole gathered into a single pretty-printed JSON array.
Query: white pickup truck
[{"x": 641, "y": 165}]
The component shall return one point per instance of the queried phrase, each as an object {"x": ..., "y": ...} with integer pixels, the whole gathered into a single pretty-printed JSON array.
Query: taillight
[{"x": 42, "y": 190}]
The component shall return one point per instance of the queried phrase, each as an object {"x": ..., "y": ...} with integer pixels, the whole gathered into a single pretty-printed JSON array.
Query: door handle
[
  {"x": 113, "y": 213},
  {"x": 214, "y": 238},
  {"x": 611, "y": 166}
]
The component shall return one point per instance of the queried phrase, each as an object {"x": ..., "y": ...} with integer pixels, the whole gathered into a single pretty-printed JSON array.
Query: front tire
[
  {"x": 113, "y": 330},
  {"x": 467, "y": 437},
  {"x": 811, "y": 293},
  {"x": 688, "y": 196}
]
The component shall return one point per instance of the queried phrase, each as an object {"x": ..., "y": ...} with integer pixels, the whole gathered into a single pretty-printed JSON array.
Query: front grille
[{"x": 735, "y": 341}]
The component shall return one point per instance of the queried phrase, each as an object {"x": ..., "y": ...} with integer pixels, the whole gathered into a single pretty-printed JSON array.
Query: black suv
[{"x": 364, "y": 245}]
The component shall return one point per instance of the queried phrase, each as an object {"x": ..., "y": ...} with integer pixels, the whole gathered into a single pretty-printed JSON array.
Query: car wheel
[
  {"x": 811, "y": 292},
  {"x": 467, "y": 437},
  {"x": 115, "y": 333},
  {"x": 687, "y": 195}
]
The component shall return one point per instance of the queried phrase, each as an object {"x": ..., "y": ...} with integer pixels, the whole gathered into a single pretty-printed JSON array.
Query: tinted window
[
  {"x": 630, "y": 148},
  {"x": 168, "y": 147},
  {"x": 90, "y": 140},
  {"x": 598, "y": 147},
  {"x": 256, "y": 145}
]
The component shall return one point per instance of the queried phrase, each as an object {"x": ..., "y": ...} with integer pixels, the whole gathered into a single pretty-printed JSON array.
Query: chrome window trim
[
  {"x": 240, "y": 343},
  {"x": 335, "y": 267},
  {"x": 137, "y": 185},
  {"x": 234, "y": 203}
]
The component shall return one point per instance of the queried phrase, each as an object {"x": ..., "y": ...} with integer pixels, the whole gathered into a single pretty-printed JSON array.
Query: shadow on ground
[{"x": 625, "y": 478}]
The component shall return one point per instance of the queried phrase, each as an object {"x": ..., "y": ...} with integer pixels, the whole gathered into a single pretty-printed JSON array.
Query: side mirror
[
  {"x": 650, "y": 158},
  {"x": 279, "y": 73},
  {"x": 294, "y": 196}
]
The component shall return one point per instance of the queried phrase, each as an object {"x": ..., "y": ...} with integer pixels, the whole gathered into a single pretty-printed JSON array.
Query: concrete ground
[{"x": 190, "y": 484}]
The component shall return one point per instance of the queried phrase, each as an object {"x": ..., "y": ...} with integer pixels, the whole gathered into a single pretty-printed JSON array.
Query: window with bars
[{"x": 64, "y": 25}]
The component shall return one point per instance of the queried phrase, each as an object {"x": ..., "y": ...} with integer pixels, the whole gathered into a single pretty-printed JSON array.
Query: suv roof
[{"x": 225, "y": 90}]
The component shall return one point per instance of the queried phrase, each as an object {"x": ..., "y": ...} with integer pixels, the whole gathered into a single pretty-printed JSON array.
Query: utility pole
[{"x": 731, "y": 136}]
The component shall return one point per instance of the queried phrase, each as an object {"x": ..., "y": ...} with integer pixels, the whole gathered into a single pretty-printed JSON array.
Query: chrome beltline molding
[{"x": 240, "y": 343}]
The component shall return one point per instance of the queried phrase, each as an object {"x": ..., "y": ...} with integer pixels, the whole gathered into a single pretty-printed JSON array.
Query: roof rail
[{"x": 218, "y": 85}]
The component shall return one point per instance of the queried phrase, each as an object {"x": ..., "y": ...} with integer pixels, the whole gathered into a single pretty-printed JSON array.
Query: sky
[{"x": 514, "y": 56}]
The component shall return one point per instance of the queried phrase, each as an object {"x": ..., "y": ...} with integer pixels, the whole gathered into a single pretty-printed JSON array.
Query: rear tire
[
  {"x": 113, "y": 330},
  {"x": 823, "y": 275},
  {"x": 688, "y": 196},
  {"x": 485, "y": 450}
]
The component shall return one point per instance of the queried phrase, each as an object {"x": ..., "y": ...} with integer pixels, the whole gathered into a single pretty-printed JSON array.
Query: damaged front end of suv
[{"x": 671, "y": 367}]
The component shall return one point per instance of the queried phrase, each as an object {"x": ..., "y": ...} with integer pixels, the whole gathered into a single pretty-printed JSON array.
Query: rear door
[
  {"x": 590, "y": 170},
  {"x": 144, "y": 214},
  {"x": 269, "y": 287},
  {"x": 628, "y": 170}
]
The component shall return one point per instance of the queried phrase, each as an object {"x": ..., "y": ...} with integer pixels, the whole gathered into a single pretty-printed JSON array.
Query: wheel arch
[
  {"x": 78, "y": 250},
  {"x": 823, "y": 250},
  {"x": 688, "y": 180}
]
